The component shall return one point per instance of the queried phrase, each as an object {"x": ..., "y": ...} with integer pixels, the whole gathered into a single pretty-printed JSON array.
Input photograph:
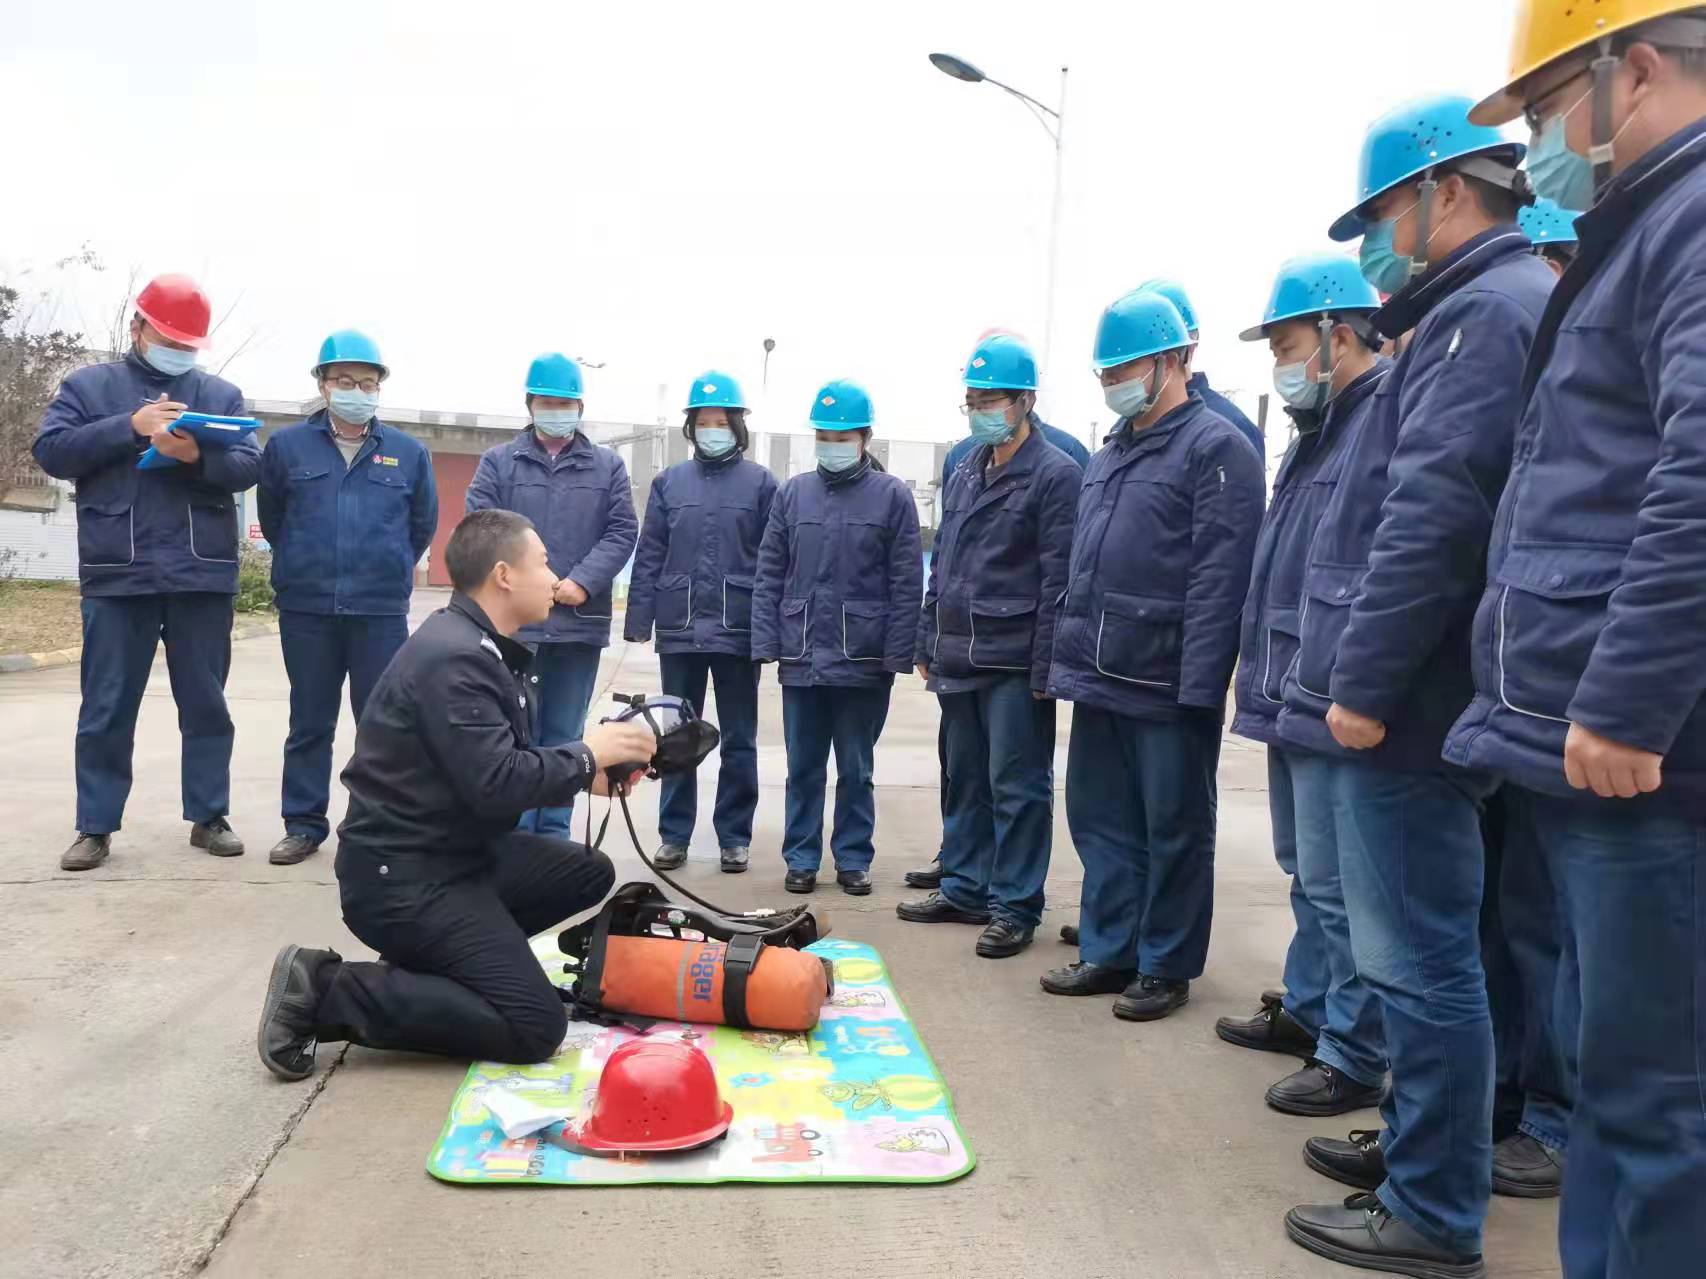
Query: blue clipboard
[{"x": 209, "y": 430}]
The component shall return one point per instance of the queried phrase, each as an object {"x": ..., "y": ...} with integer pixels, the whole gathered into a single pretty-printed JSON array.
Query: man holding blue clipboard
[{"x": 157, "y": 556}]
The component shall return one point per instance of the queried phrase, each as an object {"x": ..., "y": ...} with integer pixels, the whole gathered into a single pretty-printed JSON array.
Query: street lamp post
[{"x": 960, "y": 69}]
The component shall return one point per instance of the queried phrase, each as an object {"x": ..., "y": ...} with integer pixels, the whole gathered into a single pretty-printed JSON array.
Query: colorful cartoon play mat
[{"x": 856, "y": 1099}]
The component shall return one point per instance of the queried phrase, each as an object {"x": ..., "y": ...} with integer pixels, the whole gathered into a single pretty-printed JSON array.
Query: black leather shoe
[
  {"x": 937, "y": 909},
  {"x": 86, "y": 852},
  {"x": 1086, "y": 979},
  {"x": 1362, "y": 1233},
  {"x": 800, "y": 881},
  {"x": 733, "y": 860},
  {"x": 286, "y": 1037},
  {"x": 1319, "y": 1089},
  {"x": 216, "y": 837},
  {"x": 1357, "y": 1162},
  {"x": 1151, "y": 998},
  {"x": 926, "y": 876},
  {"x": 855, "y": 883},
  {"x": 1272, "y": 1030},
  {"x": 1003, "y": 938},
  {"x": 292, "y": 849},
  {"x": 1069, "y": 934},
  {"x": 1526, "y": 1168},
  {"x": 669, "y": 856}
]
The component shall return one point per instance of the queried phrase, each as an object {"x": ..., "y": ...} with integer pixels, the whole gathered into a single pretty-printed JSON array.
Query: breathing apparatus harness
[{"x": 641, "y": 909}]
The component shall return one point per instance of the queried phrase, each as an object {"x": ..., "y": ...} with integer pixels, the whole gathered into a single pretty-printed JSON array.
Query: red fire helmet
[
  {"x": 656, "y": 1094},
  {"x": 176, "y": 306}
]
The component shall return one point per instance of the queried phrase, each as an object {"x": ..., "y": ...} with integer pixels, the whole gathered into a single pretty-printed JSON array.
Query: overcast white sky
[{"x": 662, "y": 185}]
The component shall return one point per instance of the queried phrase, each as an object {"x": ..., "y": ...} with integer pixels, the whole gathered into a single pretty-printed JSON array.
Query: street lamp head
[
  {"x": 959, "y": 68},
  {"x": 769, "y": 345}
]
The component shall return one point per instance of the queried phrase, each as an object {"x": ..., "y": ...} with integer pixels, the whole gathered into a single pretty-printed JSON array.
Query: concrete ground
[{"x": 142, "y": 1137}]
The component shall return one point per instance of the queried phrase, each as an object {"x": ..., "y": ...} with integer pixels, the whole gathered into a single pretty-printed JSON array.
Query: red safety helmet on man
[{"x": 177, "y": 308}]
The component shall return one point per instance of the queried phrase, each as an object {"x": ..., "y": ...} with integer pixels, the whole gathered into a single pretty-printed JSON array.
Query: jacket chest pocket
[
  {"x": 862, "y": 550},
  {"x": 686, "y": 536},
  {"x": 388, "y": 485},
  {"x": 1328, "y": 594},
  {"x": 1551, "y": 607},
  {"x": 863, "y": 630},
  {"x": 1002, "y": 632},
  {"x": 213, "y": 530},
  {"x": 1138, "y": 639},
  {"x": 530, "y": 495}
]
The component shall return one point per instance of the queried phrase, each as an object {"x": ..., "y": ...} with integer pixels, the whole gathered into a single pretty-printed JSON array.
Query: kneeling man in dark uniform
[{"x": 431, "y": 870}]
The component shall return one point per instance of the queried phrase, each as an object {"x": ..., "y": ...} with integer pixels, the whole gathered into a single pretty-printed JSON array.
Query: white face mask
[
  {"x": 168, "y": 359},
  {"x": 559, "y": 424}
]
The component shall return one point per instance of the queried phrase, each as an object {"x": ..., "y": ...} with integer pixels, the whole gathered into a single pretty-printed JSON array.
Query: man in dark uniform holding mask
[{"x": 431, "y": 870}]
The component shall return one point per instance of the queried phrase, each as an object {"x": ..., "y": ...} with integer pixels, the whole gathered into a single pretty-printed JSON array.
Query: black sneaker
[
  {"x": 926, "y": 876},
  {"x": 1272, "y": 1030},
  {"x": 1526, "y": 1168},
  {"x": 800, "y": 881},
  {"x": 669, "y": 856},
  {"x": 1319, "y": 1090},
  {"x": 937, "y": 909},
  {"x": 286, "y": 1037},
  {"x": 1357, "y": 1162},
  {"x": 1363, "y": 1233},
  {"x": 1151, "y": 998},
  {"x": 734, "y": 859},
  {"x": 86, "y": 852},
  {"x": 1004, "y": 938},
  {"x": 855, "y": 883},
  {"x": 292, "y": 849},
  {"x": 216, "y": 837},
  {"x": 1086, "y": 979}
]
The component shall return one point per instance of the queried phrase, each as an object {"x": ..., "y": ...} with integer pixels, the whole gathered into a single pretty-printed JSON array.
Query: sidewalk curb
[{"x": 17, "y": 663}]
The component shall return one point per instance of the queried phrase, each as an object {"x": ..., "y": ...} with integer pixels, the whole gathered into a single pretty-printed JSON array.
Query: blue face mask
[
  {"x": 1557, "y": 172},
  {"x": 1382, "y": 267},
  {"x": 838, "y": 457},
  {"x": 1297, "y": 388},
  {"x": 168, "y": 359},
  {"x": 1131, "y": 398},
  {"x": 714, "y": 441},
  {"x": 355, "y": 407},
  {"x": 990, "y": 426},
  {"x": 559, "y": 424}
]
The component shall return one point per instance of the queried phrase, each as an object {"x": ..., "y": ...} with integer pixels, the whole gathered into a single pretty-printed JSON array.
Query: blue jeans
[
  {"x": 566, "y": 675},
  {"x": 1410, "y": 858},
  {"x": 1352, "y": 1038},
  {"x": 998, "y": 825},
  {"x": 319, "y": 651},
  {"x": 1534, "y": 1017},
  {"x": 813, "y": 720},
  {"x": 121, "y": 634},
  {"x": 1307, "y": 973},
  {"x": 1141, "y": 804},
  {"x": 735, "y": 681},
  {"x": 1632, "y": 888}
]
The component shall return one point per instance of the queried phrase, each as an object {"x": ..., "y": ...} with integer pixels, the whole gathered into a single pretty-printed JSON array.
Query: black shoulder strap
[{"x": 739, "y": 959}]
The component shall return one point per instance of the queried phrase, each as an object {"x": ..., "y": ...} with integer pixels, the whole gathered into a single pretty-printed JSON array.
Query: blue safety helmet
[
  {"x": 1141, "y": 323},
  {"x": 1315, "y": 284},
  {"x": 841, "y": 405},
  {"x": 1002, "y": 362},
  {"x": 714, "y": 390},
  {"x": 350, "y": 346},
  {"x": 1175, "y": 293},
  {"x": 1410, "y": 140},
  {"x": 1548, "y": 222},
  {"x": 555, "y": 375}
]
